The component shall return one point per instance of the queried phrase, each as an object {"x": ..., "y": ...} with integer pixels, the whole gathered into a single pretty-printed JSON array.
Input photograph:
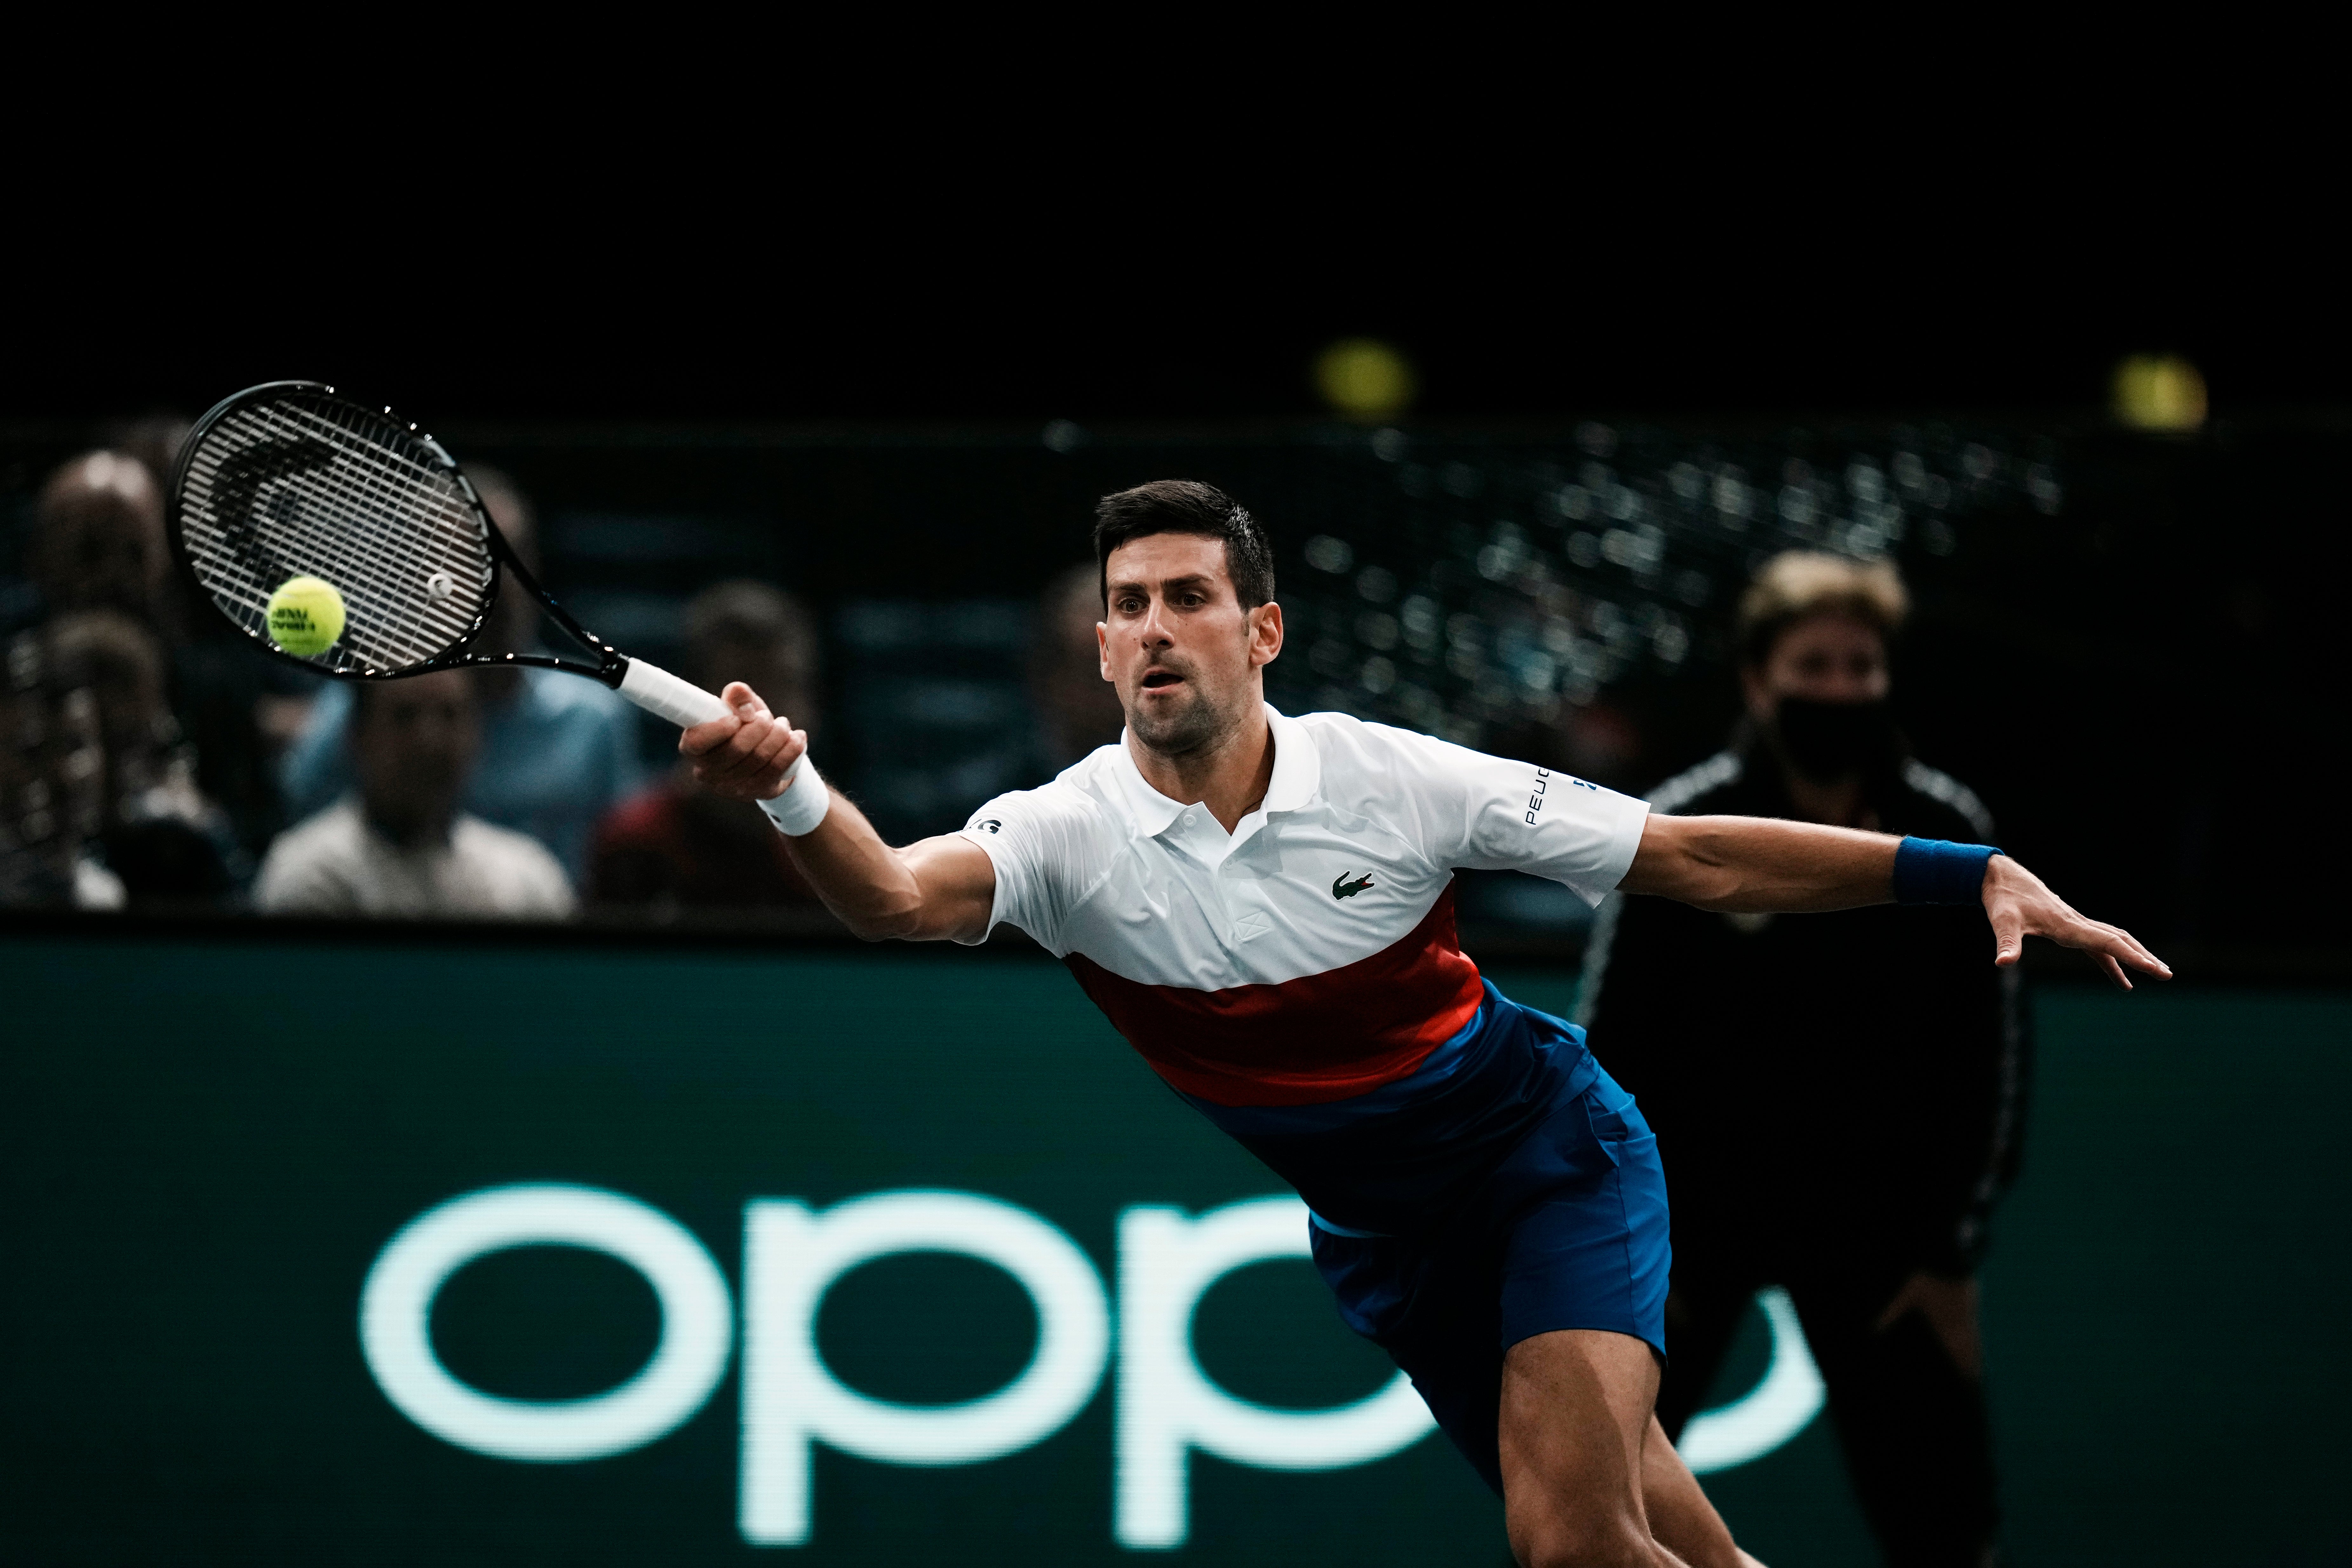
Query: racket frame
[{"x": 612, "y": 667}]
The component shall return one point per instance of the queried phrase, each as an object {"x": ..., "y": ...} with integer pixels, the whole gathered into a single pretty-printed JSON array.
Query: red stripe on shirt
[{"x": 1306, "y": 1041}]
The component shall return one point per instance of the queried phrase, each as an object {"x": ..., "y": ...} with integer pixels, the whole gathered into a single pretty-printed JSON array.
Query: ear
[
  {"x": 1265, "y": 634},
  {"x": 1102, "y": 650}
]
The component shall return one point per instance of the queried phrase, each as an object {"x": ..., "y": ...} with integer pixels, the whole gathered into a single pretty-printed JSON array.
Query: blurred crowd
[{"x": 156, "y": 758}]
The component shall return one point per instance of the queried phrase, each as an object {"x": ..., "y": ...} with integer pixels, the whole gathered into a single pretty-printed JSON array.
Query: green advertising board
[{"x": 457, "y": 1251}]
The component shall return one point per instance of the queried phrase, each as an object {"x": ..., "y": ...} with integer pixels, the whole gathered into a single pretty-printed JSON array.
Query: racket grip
[{"x": 659, "y": 692}]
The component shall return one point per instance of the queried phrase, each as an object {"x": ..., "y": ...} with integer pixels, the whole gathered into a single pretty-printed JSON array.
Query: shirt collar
[
  {"x": 1151, "y": 810},
  {"x": 1297, "y": 766},
  {"x": 1297, "y": 773}
]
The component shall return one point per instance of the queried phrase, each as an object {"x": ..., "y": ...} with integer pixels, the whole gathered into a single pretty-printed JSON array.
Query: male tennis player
[{"x": 1262, "y": 907}]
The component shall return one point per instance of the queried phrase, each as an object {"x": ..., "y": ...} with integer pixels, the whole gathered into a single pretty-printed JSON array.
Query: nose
[{"x": 1153, "y": 631}]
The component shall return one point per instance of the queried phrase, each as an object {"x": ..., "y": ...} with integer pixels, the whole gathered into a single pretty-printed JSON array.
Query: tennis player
[{"x": 1263, "y": 906}]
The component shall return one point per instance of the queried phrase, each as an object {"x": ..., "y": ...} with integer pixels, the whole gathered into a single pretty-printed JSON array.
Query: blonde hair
[{"x": 1798, "y": 585}]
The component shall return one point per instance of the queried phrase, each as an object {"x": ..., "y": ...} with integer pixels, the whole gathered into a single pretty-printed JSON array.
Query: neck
[
  {"x": 1229, "y": 775},
  {"x": 1841, "y": 804}
]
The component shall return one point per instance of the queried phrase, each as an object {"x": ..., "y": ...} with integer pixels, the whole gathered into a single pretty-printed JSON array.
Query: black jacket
[{"x": 1852, "y": 1080}]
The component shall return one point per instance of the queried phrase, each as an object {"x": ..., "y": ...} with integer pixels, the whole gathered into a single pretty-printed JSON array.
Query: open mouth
[{"x": 1160, "y": 678}]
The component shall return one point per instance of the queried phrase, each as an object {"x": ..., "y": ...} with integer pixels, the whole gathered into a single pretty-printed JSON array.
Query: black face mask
[{"x": 1826, "y": 742}]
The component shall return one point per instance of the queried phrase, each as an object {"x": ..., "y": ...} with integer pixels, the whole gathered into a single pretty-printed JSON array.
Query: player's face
[
  {"x": 1183, "y": 652},
  {"x": 1828, "y": 658}
]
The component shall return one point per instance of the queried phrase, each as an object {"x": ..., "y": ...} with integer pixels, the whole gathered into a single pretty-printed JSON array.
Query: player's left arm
[{"x": 1753, "y": 865}]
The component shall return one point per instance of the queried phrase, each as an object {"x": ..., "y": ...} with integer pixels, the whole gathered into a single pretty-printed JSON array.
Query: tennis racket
[{"x": 289, "y": 479}]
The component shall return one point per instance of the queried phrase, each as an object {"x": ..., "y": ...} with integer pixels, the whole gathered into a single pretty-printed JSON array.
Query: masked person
[{"x": 1741, "y": 1033}]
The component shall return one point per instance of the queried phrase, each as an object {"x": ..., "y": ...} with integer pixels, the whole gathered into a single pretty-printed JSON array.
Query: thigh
[{"x": 1575, "y": 1415}]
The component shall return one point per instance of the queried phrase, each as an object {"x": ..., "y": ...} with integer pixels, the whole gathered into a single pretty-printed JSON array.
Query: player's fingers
[
  {"x": 2133, "y": 952},
  {"x": 2123, "y": 949},
  {"x": 771, "y": 753},
  {"x": 701, "y": 740},
  {"x": 738, "y": 780},
  {"x": 739, "y": 697},
  {"x": 2008, "y": 934},
  {"x": 754, "y": 733},
  {"x": 2115, "y": 970},
  {"x": 2113, "y": 942},
  {"x": 741, "y": 747},
  {"x": 771, "y": 782}
]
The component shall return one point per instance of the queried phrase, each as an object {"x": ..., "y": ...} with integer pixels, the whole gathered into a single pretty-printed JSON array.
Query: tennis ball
[{"x": 306, "y": 615}]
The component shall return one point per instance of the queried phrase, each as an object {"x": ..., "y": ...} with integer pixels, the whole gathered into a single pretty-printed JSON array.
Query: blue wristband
[{"x": 1936, "y": 872}]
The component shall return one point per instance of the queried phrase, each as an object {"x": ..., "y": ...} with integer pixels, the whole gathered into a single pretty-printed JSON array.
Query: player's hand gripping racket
[{"x": 337, "y": 536}]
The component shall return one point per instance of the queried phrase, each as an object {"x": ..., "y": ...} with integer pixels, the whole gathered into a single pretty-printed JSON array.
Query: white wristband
[{"x": 803, "y": 804}]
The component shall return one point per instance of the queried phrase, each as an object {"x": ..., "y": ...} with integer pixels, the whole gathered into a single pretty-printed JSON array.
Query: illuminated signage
[{"x": 1167, "y": 1405}]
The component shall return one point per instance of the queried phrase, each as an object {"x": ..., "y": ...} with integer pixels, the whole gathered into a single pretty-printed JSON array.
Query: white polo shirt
[{"x": 1310, "y": 955}]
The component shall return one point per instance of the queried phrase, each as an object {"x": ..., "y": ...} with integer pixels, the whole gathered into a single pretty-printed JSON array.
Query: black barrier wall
[{"x": 316, "y": 1252}]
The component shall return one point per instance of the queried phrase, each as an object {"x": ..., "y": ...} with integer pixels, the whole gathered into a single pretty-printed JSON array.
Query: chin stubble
[{"x": 1190, "y": 728}]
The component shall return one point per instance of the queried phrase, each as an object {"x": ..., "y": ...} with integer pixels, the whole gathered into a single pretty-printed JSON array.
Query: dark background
[{"x": 2144, "y": 685}]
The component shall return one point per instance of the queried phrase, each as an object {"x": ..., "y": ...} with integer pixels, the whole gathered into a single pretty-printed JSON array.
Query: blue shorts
[{"x": 1507, "y": 1189}]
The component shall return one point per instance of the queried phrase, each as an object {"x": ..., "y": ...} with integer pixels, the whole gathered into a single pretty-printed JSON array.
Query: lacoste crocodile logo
[{"x": 1344, "y": 889}]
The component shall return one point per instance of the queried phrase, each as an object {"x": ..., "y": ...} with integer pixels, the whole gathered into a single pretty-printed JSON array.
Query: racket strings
[{"x": 306, "y": 483}]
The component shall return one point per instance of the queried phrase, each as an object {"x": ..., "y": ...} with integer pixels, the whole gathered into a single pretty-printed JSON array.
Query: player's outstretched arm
[
  {"x": 934, "y": 889},
  {"x": 1754, "y": 864}
]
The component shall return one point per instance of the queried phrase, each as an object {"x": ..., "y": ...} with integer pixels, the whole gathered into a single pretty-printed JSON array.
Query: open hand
[
  {"x": 2020, "y": 904},
  {"x": 746, "y": 756}
]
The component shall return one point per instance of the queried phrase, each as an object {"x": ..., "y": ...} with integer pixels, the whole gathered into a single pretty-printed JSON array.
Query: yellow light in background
[
  {"x": 2159, "y": 392},
  {"x": 1364, "y": 379}
]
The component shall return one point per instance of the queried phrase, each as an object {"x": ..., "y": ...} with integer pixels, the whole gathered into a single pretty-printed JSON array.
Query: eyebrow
[{"x": 1189, "y": 580}]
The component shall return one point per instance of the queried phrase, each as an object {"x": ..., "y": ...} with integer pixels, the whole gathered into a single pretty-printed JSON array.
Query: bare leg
[
  {"x": 1680, "y": 1516},
  {"x": 1578, "y": 1471}
]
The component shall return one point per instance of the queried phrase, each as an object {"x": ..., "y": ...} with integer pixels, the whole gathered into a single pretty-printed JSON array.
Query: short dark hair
[{"x": 1187, "y": 506}]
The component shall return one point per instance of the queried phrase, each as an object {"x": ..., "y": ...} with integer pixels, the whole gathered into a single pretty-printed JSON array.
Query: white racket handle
[
  {"x": 659, "y": 692},
  {"x": 806, "y": 800}
]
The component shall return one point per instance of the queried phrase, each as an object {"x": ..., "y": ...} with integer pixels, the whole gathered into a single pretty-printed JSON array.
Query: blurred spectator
[
  {"x": 675, "y": 846},
  {"x": 1839, "y": 1097},
  {"x": 99, "y": 541},
  {"x": 557, "y": 750},
  {"x": 1076, "y": 709},
  {"x": 162, "y": 836},
  {"x": 99, "y": 545},
  {"x": 153, "y": 440},
  {"x": 400, "y": 846},
  {"x": 52, "y": 787}
]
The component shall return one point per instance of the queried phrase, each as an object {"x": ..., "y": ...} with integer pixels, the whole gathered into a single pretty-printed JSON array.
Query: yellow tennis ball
[{"x": 306, "y": 615}]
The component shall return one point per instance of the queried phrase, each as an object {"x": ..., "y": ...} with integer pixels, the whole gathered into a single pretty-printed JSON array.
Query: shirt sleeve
[
  {"x": 1488, "y": 813},
  {"x": 1037, "y": 840}
]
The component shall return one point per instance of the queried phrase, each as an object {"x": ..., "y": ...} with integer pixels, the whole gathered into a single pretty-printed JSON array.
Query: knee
[{"x": 1606, "y": 1540}]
